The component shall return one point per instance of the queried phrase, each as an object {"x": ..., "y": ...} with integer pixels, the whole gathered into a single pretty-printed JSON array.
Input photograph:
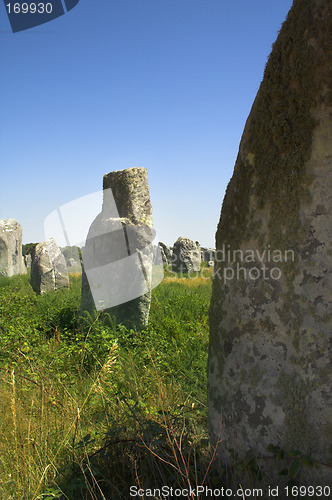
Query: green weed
[{"x": 90, "y": 407}]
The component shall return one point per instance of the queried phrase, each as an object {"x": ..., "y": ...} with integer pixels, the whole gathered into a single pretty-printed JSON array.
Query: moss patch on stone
[{"x": 277, "y": 143}]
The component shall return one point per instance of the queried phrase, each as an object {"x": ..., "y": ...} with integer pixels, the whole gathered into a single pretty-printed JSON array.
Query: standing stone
[
  {"x": 48, "y": 268},
  {"x": 269, "y": 369},
  {"x": 72, "y": 262},
  {"x": 186, "y": 256},
  {"x": 166, "y": 253},
  {"x": 71, "y": 252},
  {"x": 207, "y": 254},
  {"x": 11, "y": 258},
  {"x": 163, "y": 256},
  {"x": 118, "y": 254},
  {"x": 28, "y": 260}
]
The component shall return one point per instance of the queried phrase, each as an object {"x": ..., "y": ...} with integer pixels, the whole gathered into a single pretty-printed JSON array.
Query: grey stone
[
  {"x": 118, "y": 253},
  {"x": 28, "y": 260},
  {"x": 48, "y": 268},
  {"x": 269, "y": 369},
  {"x": 186, "y": 256},
  {"x": 163, "y": 256},
  {"x": 207, "y": 254},
  {"x": 11, "y": 258},
  {"x": 72, "y": 262},
  {"x": 166, "y": 253},
  {"x": 71, "y": 252},
  {"x": 156, "y": 251}
]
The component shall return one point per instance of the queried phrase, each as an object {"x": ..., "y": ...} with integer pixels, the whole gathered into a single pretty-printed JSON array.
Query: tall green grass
[{"x": 88, "y": 407}]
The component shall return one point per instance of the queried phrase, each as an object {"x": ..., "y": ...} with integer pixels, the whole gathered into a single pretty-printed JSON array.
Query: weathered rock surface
[
  {"x": 270, "y": 364},
  {"x": 166, "y": 253},
  {"x": 163, "y": 256},
  {"x": 48, "y": 268},
  {"x": 11, "y": 258},
  {"x": 118, "y": 254},
  {"x": 28, "y": 260},
  {"x": 186, "y": 256},
  {"x": 207, "y": 254}
]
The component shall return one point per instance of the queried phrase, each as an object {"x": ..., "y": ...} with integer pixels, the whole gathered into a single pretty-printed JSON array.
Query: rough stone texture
[
  {"x": 48, "y": 268},
  {"x": 269, "y": 369},
  {"x": 28, "y": 260},
  {"x": 186, "y": 256},
  {"x": 163, "y": 256},
  {"x": 166, "y": 253},
  {"x": 118, "y": 254},
  {"x": 11, "y": 258},
  {"x": 207, "y": 254}
]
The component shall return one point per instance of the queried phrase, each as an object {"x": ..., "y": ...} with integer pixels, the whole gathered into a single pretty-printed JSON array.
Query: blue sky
[{"x": 112, "y": 84}]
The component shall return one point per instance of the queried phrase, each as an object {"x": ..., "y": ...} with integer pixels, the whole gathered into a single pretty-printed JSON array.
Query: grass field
[{"x": 90, "y": 408}]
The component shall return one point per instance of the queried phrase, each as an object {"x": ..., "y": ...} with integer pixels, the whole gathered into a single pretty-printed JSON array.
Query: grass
[{"x": 90, "y": 408}]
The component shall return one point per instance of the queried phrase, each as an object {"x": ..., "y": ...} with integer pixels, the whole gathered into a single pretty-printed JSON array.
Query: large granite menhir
[
  {"x": 48, "y": 268},
  {"x": 11, "y": 258},
  {"x": 118, "y": 254},
  {"x": 270, "y": 366}
]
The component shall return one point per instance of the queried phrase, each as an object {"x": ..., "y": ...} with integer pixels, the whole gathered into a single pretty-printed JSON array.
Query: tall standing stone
[
  {"x": 207, "y": 254},
  {"x": 28, "y": 260},
  {"x": 11, "y": 258},
  {"x": 118, "y": 254},
  {"x": 186, "y": 256},
  {"x": 48, "y": 268},
  {"x": 270, "y": 366},
  {"x": 166, "y": 253}
]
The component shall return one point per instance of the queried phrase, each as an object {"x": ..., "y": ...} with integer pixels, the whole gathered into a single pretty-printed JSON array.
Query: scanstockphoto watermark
[
  {"x": 250, "y": 264},
  {"x": 195, "y": 492},
  {"x": 319, "y": 491}
]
